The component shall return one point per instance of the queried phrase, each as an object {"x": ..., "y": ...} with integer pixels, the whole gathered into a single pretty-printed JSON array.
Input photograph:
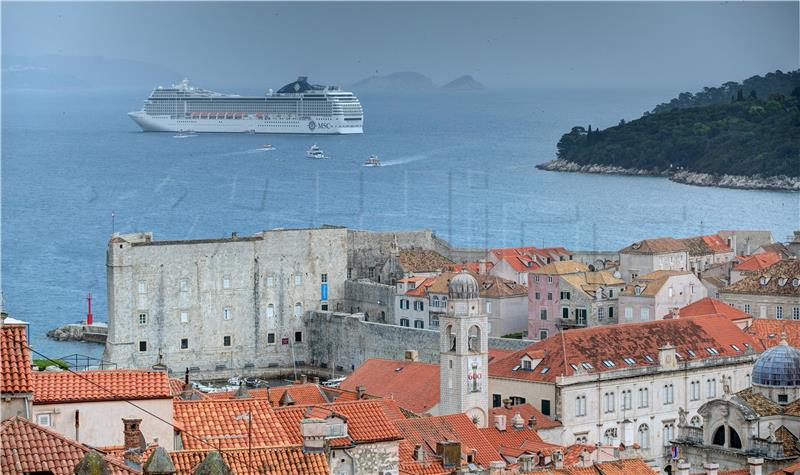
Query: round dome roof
[
  {"x": 778, "y": 366},
  {"x": 463, "y": 286}
]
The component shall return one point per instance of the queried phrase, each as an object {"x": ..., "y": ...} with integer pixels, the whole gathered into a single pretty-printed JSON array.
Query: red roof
[
  {"x": 220, "y": 423},
  {"x": 605, "y": 348},
  {"x": 429, "y": 465},
  {"x": 712, "y": 307},
  {"x": 768, "y": 332},
  {"x": 427, "y": 431},
  {"x": 474, "y": 267},
  {"x": 526, "y": 411},
  {"x": 99, "y": 385},
  {"x": 16, "y": 360},
  {"x": 300, "y": 393},
  {"x": 716, "y": 243},
  {"x": 30, "y": 448},
  {"x": 757, "y": 262},
  {"x": 419, "y": 290},
  {"x": 523, "y": 259},
  {"x": 497, "y": 353},
  {"x": 413, "y": 385},
  {"x": 515, "y": 442},
  {"x": 265, "y": 461}
]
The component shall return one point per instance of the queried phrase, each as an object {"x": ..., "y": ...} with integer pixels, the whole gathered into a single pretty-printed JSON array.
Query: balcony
[{"x": 566, "y": 324}]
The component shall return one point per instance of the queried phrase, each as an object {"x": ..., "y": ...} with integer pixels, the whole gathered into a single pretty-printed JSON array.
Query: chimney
[
  {"x": 532, "y": 422},
  {"x": 482, "y": 266},
  {"x": 316, "y": 380},
  {"x": 754, "y": 464},
  {"x": 360, "y": 391},
  {"x": 558, "y": 459},
  {"x": 314, "y": 432},
  {"x": 419, "y": 454},
  {"x": 683, "y": 468},
  {"x": 507, "y": 403},
  {"x": 711, "y": 468},
  {"x": 412, "y": 355},
  {"x": 517, "y": 421},
  {"x": 675, "y": 312},
  {"x": 450, "y": 453},
  {"x": 500, "y": 422},
  {"x": 496, "y": 467},
  {"x": 526, "y": 463},
  {"x": 132, "y": 435},
  {"x": 303, "y": 379}
]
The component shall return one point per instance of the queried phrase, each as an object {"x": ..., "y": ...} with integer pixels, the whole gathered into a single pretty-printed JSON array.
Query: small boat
[
  {"x": 184, "y": 134},
  {"x": 315, "y": 153},
  {"x": 372, "y": 161},
  {"x": 267, "y": 147}
]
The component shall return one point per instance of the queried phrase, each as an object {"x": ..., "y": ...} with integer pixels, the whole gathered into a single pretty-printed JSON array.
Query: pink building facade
[{"x": 543, "y": 305}]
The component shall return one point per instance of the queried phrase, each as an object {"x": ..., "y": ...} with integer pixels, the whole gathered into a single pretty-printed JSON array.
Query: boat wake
[{"x": 416, "y": 157}]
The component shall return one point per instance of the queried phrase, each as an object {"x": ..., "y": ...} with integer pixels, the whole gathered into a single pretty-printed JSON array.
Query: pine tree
[{"x": 739, "y": 96}]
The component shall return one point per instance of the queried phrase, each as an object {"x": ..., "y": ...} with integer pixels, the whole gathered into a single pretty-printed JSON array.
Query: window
[
  {"x": 488, "y": 307},
  {"x": 549, "y": 279},
  {"x": 184, "y": 285},
  {"x": 184, "y": 343},
  {"x": 565, "y": 295},
  {"x": 629, "y": 361},
  {"x": 270, "y": 310},
  {"x": 546, "y": 407},
  {"x": 270, "y": 281},
  {"x": 526, "y": 364},
  {"x": 323, "y": 278},
  {"x": 542, "y": 334},
  {"x": 779, "y": 312},
  {"x": 644, "y": 436},
  {"x": 609, "y": 436},
  {"x": 668, "y": 394},
  {"x": 747, "y": 308},
  {"x": 371, "y": 272},
  {"x": 349, "y": 272},
  {"x": 608, "y": 363},
  {"x": 549, "y": 295},
  {"x": 694, "y": 390},
  {"x": 142, "y": 318},
  {"x": 644, "y": 314},
  {"x": 497, "y": 400},
  {"x": 581, "y": 439},
  {"x": 516, "y": 400},
  {"x": 298, "y": 337},
  {"x": 419, "y": 324},
  {"x": 45, "y": 419},
  {"x": 668, "y": 433},
  {"x": 543, "y": 314},
  {"x": 226, "y": 340},
  {"x": 644, "y": 397},
  {"x": 184, "y": 316},
  {"x": 796, "y": 313},
  {"x": 435, "y": 302},
  {"x": 298, "y": 310},
  {"x": 711, "y": 387},
  {"x": 610, "y": 294},
  {"x": 600, "y": 313},
  {"x": 536, "y": 279},
  {"x": 298, "y": 279},
  {"x": 608, "y": 402},
  {"x": 404, "y": 322},
  {"x": 226, "y": 282},
  {"x": 627, "y": 399},
  {"x": 628, "y": 313},
  {"x": 580, "y": 406},
  {"x": 564, "y": 312},
  {"x": 271, "y": 338},
  {"x": 538, "y": 295},
  {"x": 142, "y": 346},
  {"x": 610, "y": 313},
  {"x": 670, "y": 292},
  {"x": 226, "y": 313},
  {"x": 142, "y": 287}
]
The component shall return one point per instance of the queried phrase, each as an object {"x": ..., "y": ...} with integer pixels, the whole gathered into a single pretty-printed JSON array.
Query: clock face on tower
[{"x": 477, "y": 416}]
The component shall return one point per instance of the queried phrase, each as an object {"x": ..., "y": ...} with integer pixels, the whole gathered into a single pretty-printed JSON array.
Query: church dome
[
  {"x": 779, "y": 366},
  {"x": 463, "y": 286}
]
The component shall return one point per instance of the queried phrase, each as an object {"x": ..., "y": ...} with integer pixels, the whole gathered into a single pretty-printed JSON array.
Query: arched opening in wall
[
  {"x": 644, "y": 436},
  {"x": 383, "y": 316},
  {"x": 719, "y": 436},
  {"x": 451, "y": 338},
  {"x": 734, "y": 441},
  {"x": 474, "y": 341}
]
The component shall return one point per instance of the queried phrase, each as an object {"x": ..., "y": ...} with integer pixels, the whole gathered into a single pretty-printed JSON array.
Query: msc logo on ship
[{"x": 312, "y": 125}]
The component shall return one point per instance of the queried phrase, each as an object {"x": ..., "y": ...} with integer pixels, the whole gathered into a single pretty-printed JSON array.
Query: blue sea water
[{"x": 461, "y": 164}]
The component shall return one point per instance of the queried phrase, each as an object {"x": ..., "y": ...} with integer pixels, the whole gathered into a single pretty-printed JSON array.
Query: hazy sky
[{"x": 685, "y": 45}]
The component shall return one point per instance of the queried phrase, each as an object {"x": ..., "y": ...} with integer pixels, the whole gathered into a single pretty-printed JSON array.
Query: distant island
[
  {"x": 737, "y": 136},
  {"x": 412, "y": 81}
]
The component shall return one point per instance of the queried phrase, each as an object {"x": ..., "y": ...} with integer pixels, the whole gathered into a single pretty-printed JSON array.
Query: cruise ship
[{"x": 297, "y": 108}]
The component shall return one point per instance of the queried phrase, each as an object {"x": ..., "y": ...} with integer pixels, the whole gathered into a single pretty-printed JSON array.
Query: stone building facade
[
  {"x": 656, "y": 295},
  {"x": 650, "y": 255},
  {"x": 772, "y": 293}
]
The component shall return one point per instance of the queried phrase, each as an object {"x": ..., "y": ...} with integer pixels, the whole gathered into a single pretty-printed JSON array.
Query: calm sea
[{"x": 461, "y": 164}]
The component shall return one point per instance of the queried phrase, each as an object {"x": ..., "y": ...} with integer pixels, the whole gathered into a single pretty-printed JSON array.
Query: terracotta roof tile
[
  {"x": 712, "y": 307},
  {"x": 617, "y": 467},
  {"x": 100, "y": 385},
  {"x": 661, "y": 245},
  {"x": 705, "y": 245},
  {"x": 423, "y": 260},
  {"x": 301, "y": 394},
  {"x": 30, "y": 448},
  {"x": 514, "y": 442},
  {"x": 282, "y": 460},
  {"x": 175, "y": 386},
  {"x": 589, "y": 348},
  {"x": 781, "y": 278},
  {"x": 790, "y": 470},
  {"x": 16, "y": 360},
  {"x": 413, "y": 385},
  {"x": 651, "y": 283},
  {"x": 474, "y": 267},
  {"x": 429, "y": 465},
  {"x": 367, "y": 421},
  {"x": 757, "y": 262},
  {"x": 526, "y": 411},
  {"x": 219, "y": 423},
  {"x": 768, "y": 332},
  {"x": 561, "y": 268}
]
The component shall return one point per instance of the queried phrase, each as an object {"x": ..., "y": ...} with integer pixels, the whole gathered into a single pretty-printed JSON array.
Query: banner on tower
[{"x": 474, "y": 374}]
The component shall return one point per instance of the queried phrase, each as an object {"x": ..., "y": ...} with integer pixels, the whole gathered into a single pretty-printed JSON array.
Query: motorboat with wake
[
  {"x": 372, "y": 161},
  {"x": 267, "y": 147},
  {"x": 315, "y": 153}
]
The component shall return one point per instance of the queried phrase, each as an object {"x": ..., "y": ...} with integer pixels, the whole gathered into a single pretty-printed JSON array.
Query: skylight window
[
  {"x": 608, "y": 363},
  {"x": 712, "y": 351},
  {"x": 630, "y": 361},
  {"x": 587, "y": 365},
  {"x": 544, "y": 370},
  {"x": 691, "y": 353},
  {"x": 648, "y": 358},
  {"x": 574, "y": 366},
  {"x": 678, "y": 355},
  {"x": 736, "y": 348},
  {"x": 747, "y": 345}
]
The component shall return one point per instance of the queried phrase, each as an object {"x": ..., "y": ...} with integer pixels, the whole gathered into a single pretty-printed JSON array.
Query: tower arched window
[
  {"x": 734, "y": 441},
  {"x": 451, "y": 338},
  {"x": 644, "y": 436},
  {"x": 474, "y": 341},
  {"x": 719, "y": 436}
]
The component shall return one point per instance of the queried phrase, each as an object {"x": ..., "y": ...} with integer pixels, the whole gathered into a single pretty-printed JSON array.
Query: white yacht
[
  {"x": 372, "y": 161},
  {"x": 267, "y": 147},
  {"x": 297, "y": 108},
  {"x": 315, "y": 152}
]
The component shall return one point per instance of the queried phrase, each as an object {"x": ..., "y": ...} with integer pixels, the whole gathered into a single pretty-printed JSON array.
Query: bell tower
[{"x": 463, "y": 352}]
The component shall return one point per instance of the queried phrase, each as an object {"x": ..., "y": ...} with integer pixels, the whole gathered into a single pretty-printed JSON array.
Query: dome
[
  {"x": 779, "y": 366},
  {"x": 463, "y": 286}
]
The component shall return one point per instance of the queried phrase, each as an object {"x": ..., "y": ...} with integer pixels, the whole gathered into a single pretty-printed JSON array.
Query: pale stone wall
[
  {"x": 376, "y": 301},
  {"x": 12, "y": 406},
  {"x": 367, "y": 459},
  {"x": 763, "y": 306},
  {"x": 101, "y": 421},
  {"x": 641, "y": 264}
]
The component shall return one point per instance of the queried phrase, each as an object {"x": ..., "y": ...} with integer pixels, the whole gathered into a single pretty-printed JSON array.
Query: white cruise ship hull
[{"x": 313, "y": 125}]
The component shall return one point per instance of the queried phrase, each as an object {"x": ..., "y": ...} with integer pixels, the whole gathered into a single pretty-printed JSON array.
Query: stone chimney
[
  {"x": 133, "y": 438},
  {"x": 711, "y": 468},
  {"x": 482, "y": 266},
  {"x": 558, "y": 459},
  {"x": 507, "y": 403},
  {"x": 496, "y": 467},
  {"x": 526, "y": 463},
  {"x": 316, "y": 380},
  {"x": 683, "y": 468},
  {"x": 92, "y": 464},
  {"x": 412, "y": 355},
  {"x": 361, "y": 391},
  {"x": 419, "y": 454},
  {"x": 755, "y": 465},
  {"x": 303, "y": 379},
  {"x": 314, "y": 432},
  {"x": 450, "y": 453},
  {"x": 675, "y": 312},
  {"x": 159, "y": 463},
  {"x": 213, "y": 464},
  {"x": 517, "y": 421},
  {"x": 532, "y": 422},
  {"x": 500, "y": 422}
]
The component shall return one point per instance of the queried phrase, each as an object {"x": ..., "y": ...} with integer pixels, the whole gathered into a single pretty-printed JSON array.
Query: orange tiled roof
[
  {"x": 790, "y": 470},
  {"x": 301, "y": 394},
  {"x": 617, "y": 467},
  {"x": 562, "y": 267},
  {"x": 768, "y": 332},
  {"x": 515, "y": 442},
  {"x": 422, "y": 287},
  {"x": 427, "y": 431},
  {"x": 589, "y": 348},
  {"x": 712, "y": 307},
  {"x": 429, "y": 465},
  {"x": 283, "y": 460},
  {"x": 781, "y": 278},
  {"x": 30, "y": 448},
  {"x": 16, "y": 360},
  {"x": 474, "y": 267},
  {"x": 413, "y": 385},
  {"x": 99, "y": 385},
  {"x": 655, "y": 246},
  {"x": 497, "y": 353},
  {"x": 219, "y": 423},
  {"x": 526, "y": 411},
  {"x": 757, "y": 262},
  {"x": 176, "y": 386},
  {"x": 367, "y": 420}
]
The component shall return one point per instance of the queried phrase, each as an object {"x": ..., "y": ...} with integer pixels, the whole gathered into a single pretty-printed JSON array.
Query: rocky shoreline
[
  {"x": 773, "y": 183},
  {"x": 95, "y": 333}
]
